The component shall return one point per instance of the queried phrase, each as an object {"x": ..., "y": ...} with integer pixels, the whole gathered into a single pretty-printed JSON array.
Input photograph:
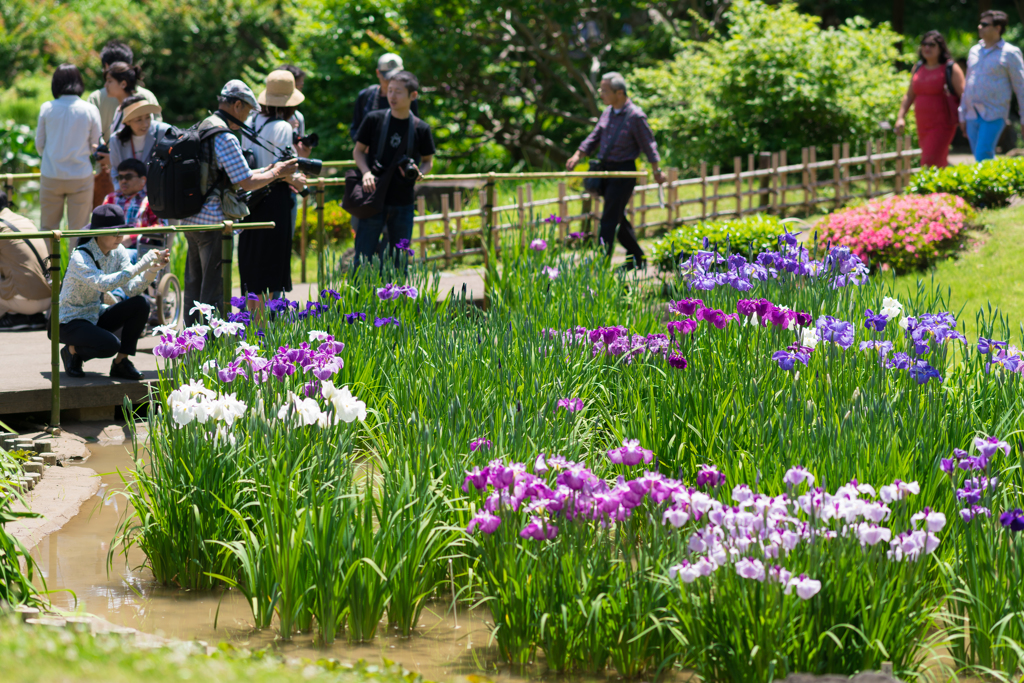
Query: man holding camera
[
  {"x": 228, "y": 172},
  {"x": 393, "y": 146},
  {"x": 621, "y": 134}
]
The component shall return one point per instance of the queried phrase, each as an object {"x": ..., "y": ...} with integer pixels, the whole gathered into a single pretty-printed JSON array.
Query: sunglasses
[
  {"x": 929, "y": 44},
  {"x": 126, "y": 177},
  {"x": 984, "y": 24}
]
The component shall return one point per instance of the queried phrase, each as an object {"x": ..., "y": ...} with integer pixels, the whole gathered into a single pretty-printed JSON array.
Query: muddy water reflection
[{"x": 74, "y": 560}]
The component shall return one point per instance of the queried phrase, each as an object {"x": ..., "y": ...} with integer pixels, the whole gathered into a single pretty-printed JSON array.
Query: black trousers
[
  {"x": 99, "y": 341},
  {"x": 617, "y": 192}
]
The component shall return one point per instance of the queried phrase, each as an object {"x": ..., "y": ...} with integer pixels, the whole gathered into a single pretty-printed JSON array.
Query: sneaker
[
  {"x": 125, "y": 370},
  {"x": 13, "y": 322},
  {"x": 38, "y": 321},
  {"x": 72, "y": 363}
]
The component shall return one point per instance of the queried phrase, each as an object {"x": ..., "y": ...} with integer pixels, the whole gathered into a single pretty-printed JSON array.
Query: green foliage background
[{"x": 510, "y": 84}]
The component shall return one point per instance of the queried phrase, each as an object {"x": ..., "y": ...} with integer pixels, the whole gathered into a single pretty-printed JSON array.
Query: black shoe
[
  {"x": 630, "y": 265},
  {"x": 13, "y": 322},
  {"x": 38, "y": 321},
  {"x": 125, "y": 370},
  {"x": 72, "y": 363}
]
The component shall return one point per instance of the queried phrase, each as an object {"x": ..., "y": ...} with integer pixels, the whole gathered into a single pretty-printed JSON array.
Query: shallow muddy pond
[{"x": 74, "y": 560}]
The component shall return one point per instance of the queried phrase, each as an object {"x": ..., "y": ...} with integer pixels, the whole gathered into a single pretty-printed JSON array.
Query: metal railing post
[
  {"x": 55, "y": 332},
  {"x": 227, "y": 248}
]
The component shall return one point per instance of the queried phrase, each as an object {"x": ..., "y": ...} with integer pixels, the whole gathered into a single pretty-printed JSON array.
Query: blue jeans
[
  {"x": 983, "y": 136},
  {"x": 397, "y": 219}
]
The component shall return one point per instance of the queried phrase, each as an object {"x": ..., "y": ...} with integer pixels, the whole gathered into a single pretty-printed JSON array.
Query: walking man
[
  {"x": 995, "y": 71},
  {"x": 621, "y": 134}
]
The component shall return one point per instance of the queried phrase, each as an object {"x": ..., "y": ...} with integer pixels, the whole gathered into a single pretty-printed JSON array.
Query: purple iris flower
[
  {"x": 277, "y": 305},
  {"x": 985, "y": 345},
  {"x": 238, "y": 302},
  {"x": 1013, "y": 519},
  {"x": 921, "y": 371},
  {"x": 788, "y": 238},
  {"x": 330, "y": 293},
  {"x": 716, "y": 317},
  {"x": 686, "y": 306},
  {"x": 899, "y": 361},
  {"x": 787, "y": 360},
  {"x": 240, "y": 317},
  {"x": 883, "y": 347},
  {"x": 988, "y": 447},
  {"x": 479, "y": 443},
  {"x": 1007, "y": 362},
  {"x": 803, "y": 319},
  {"x": 168, "y": 348},
  {"x": 485, "y": 522},
  {"x": 404, "y": 245},
  {"x": 681, "y": 327},
  {"x": 229, "y": 373},
  {"x": 781, "y": 317},
  {"x": 477, "y": 477},
  {"x": 746, "y": 307},
  {"x": 834, "y": 330},
  {"x": 352, "y": 317},
  {"x": 571, "y": 405},
  {"x": 873, "y": 321},
  {"x": 381, "y": 322},
  {"x": 710, "y": 476},
  {"x": 539, "y": 529},
  {"x": 677, "y": 361},
  {"x": 704, "y": 281}
]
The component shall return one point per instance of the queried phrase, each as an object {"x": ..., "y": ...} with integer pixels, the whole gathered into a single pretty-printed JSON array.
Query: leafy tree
[{"x": 775, "y": 81}]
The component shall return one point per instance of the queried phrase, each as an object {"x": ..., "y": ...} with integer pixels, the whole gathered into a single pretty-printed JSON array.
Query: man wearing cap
[
  {"x": 376, "y": 96},
  {"x": 87, "y": 321},
  {"x": 227, "y": 173}
]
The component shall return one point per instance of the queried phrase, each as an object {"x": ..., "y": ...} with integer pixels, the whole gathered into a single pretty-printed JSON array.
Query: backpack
[{"x": 174, "y": 181}]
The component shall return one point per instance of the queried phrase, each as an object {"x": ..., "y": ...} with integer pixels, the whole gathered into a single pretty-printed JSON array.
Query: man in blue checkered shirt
[{"x": 228, "y": 172}]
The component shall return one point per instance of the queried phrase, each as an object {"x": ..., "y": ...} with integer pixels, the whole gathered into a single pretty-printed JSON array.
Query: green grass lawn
[
  {"x": 989, "y": 274},
  {"x": 38, "y": 654}
]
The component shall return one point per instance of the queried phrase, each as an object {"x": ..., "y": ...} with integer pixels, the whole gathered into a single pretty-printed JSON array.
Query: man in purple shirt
[{"x": 619, "y": 137}]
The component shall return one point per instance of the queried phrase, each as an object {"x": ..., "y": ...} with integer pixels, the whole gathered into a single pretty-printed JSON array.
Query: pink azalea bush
[{"x": 903, "y": 232}]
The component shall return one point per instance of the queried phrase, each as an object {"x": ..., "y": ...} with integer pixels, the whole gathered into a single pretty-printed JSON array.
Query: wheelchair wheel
[{"x": 168, "y": 300}]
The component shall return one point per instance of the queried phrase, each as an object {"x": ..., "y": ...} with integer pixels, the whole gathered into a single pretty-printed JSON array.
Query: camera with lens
[
  {"x": 409, "y": 167},
  {"x": 311, "y": 167},
  {"x": 103, "y": 148},
  {"x": 311, "y": 140}
]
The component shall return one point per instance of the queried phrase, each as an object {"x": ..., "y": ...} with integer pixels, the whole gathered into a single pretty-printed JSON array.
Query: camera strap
[
  {"x": 383, "y": 137},
  {"x": 252, "y": 135}
]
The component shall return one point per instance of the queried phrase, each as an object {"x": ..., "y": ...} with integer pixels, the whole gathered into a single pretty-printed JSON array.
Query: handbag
[
  {"x": 952, "y": 99},
  {"x": 596, "y": 185},
  {"x": 357, "y": 201}
]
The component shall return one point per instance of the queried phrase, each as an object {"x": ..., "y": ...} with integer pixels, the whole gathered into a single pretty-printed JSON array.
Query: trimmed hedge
[
  {"x": 983, "y": 185},
  {"x": 757, "y": 232}
]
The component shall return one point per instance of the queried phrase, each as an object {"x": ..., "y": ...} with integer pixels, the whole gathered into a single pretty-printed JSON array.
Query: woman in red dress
[{"x": 934, "y": 103}]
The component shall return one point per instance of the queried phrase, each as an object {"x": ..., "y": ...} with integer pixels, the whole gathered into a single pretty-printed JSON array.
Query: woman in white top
[
  {"x": 66, "y": 136},
  {"x": 138, "y": 135}
]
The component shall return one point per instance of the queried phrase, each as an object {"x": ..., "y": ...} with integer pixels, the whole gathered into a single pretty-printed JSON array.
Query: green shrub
[
  {"x": 756, "y": 232},
  {"x": 984, "y": 185},
  {"x": 775, "y": 81}
]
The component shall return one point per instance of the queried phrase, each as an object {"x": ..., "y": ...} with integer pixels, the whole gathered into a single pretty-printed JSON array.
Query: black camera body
[
  {"x": 103, "y": 148},
  {"x": 311, "y": 140},
  {"x": 409, "y": 166},
  {"x": 311, "y": 167}
]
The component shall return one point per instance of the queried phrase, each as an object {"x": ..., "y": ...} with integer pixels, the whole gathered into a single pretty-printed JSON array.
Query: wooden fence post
[
  {"x": 563, "y": 211},
  {"x": 870, "y": 169},
  {"x": 703, "y": 191},
  {"x": 812, "y": 174},
  {"x": 227, "y": 248},
  {"x": 845, "y": 171},
  {"x": 321, "y": 275},
  {"x": 750, "y": 181},
  {"x": 764, "y": 193},
  {"x": 898, "y": 176},
  {"x": 836, "y": 176},
  {"x": 521, "y": 207},
  {"x": 421, "y": 207},
  {"x": 643, "y": 210},
  {"x": 585, "y": 212},
  {"x": 446, "y": 222},
  {"x": 716, "y": 171},
  {"x": 458, "y": 221},
  {"x": 529, "y": 204},
  {"x": 805, "y": 177},
  {"x": 879, "y": 149},
  {"x": 737, "y": 169},
  {"x": 673, "y": 196},
  {"x": 774, "y": 203},
  {"x": 784, "y": 183}
]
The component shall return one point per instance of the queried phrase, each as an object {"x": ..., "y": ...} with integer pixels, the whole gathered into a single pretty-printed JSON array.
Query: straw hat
[
  {"x": 280, "y": 90},
  {"x": 140, "y": 109}
]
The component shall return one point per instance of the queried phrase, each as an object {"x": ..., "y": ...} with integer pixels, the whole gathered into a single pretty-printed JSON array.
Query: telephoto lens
[{"x": 310, "y": 166}]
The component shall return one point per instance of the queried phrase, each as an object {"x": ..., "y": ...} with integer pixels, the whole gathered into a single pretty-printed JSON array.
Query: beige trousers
[
  {"x": 53, "y": 193},
  {"x": 24, "y": 306}
]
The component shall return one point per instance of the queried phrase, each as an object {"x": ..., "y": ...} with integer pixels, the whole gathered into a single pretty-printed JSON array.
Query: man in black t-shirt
[
  {"x": 375, "y": 162},
  {"x": 376, "y": 96}
]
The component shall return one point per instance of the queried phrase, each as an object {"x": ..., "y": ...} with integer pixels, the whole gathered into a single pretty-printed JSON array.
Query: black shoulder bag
[
  {"x": 357, "y": 201},
  {"x": 596, "y": 185}
]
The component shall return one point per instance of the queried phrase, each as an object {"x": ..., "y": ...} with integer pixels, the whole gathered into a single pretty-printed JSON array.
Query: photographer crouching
[
  {"x": 265, "y": 256},
  {"x": 396, "y": 147}
]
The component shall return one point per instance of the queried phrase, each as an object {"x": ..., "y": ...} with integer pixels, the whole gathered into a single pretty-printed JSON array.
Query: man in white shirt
[{"x": 995, "y": 71}]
